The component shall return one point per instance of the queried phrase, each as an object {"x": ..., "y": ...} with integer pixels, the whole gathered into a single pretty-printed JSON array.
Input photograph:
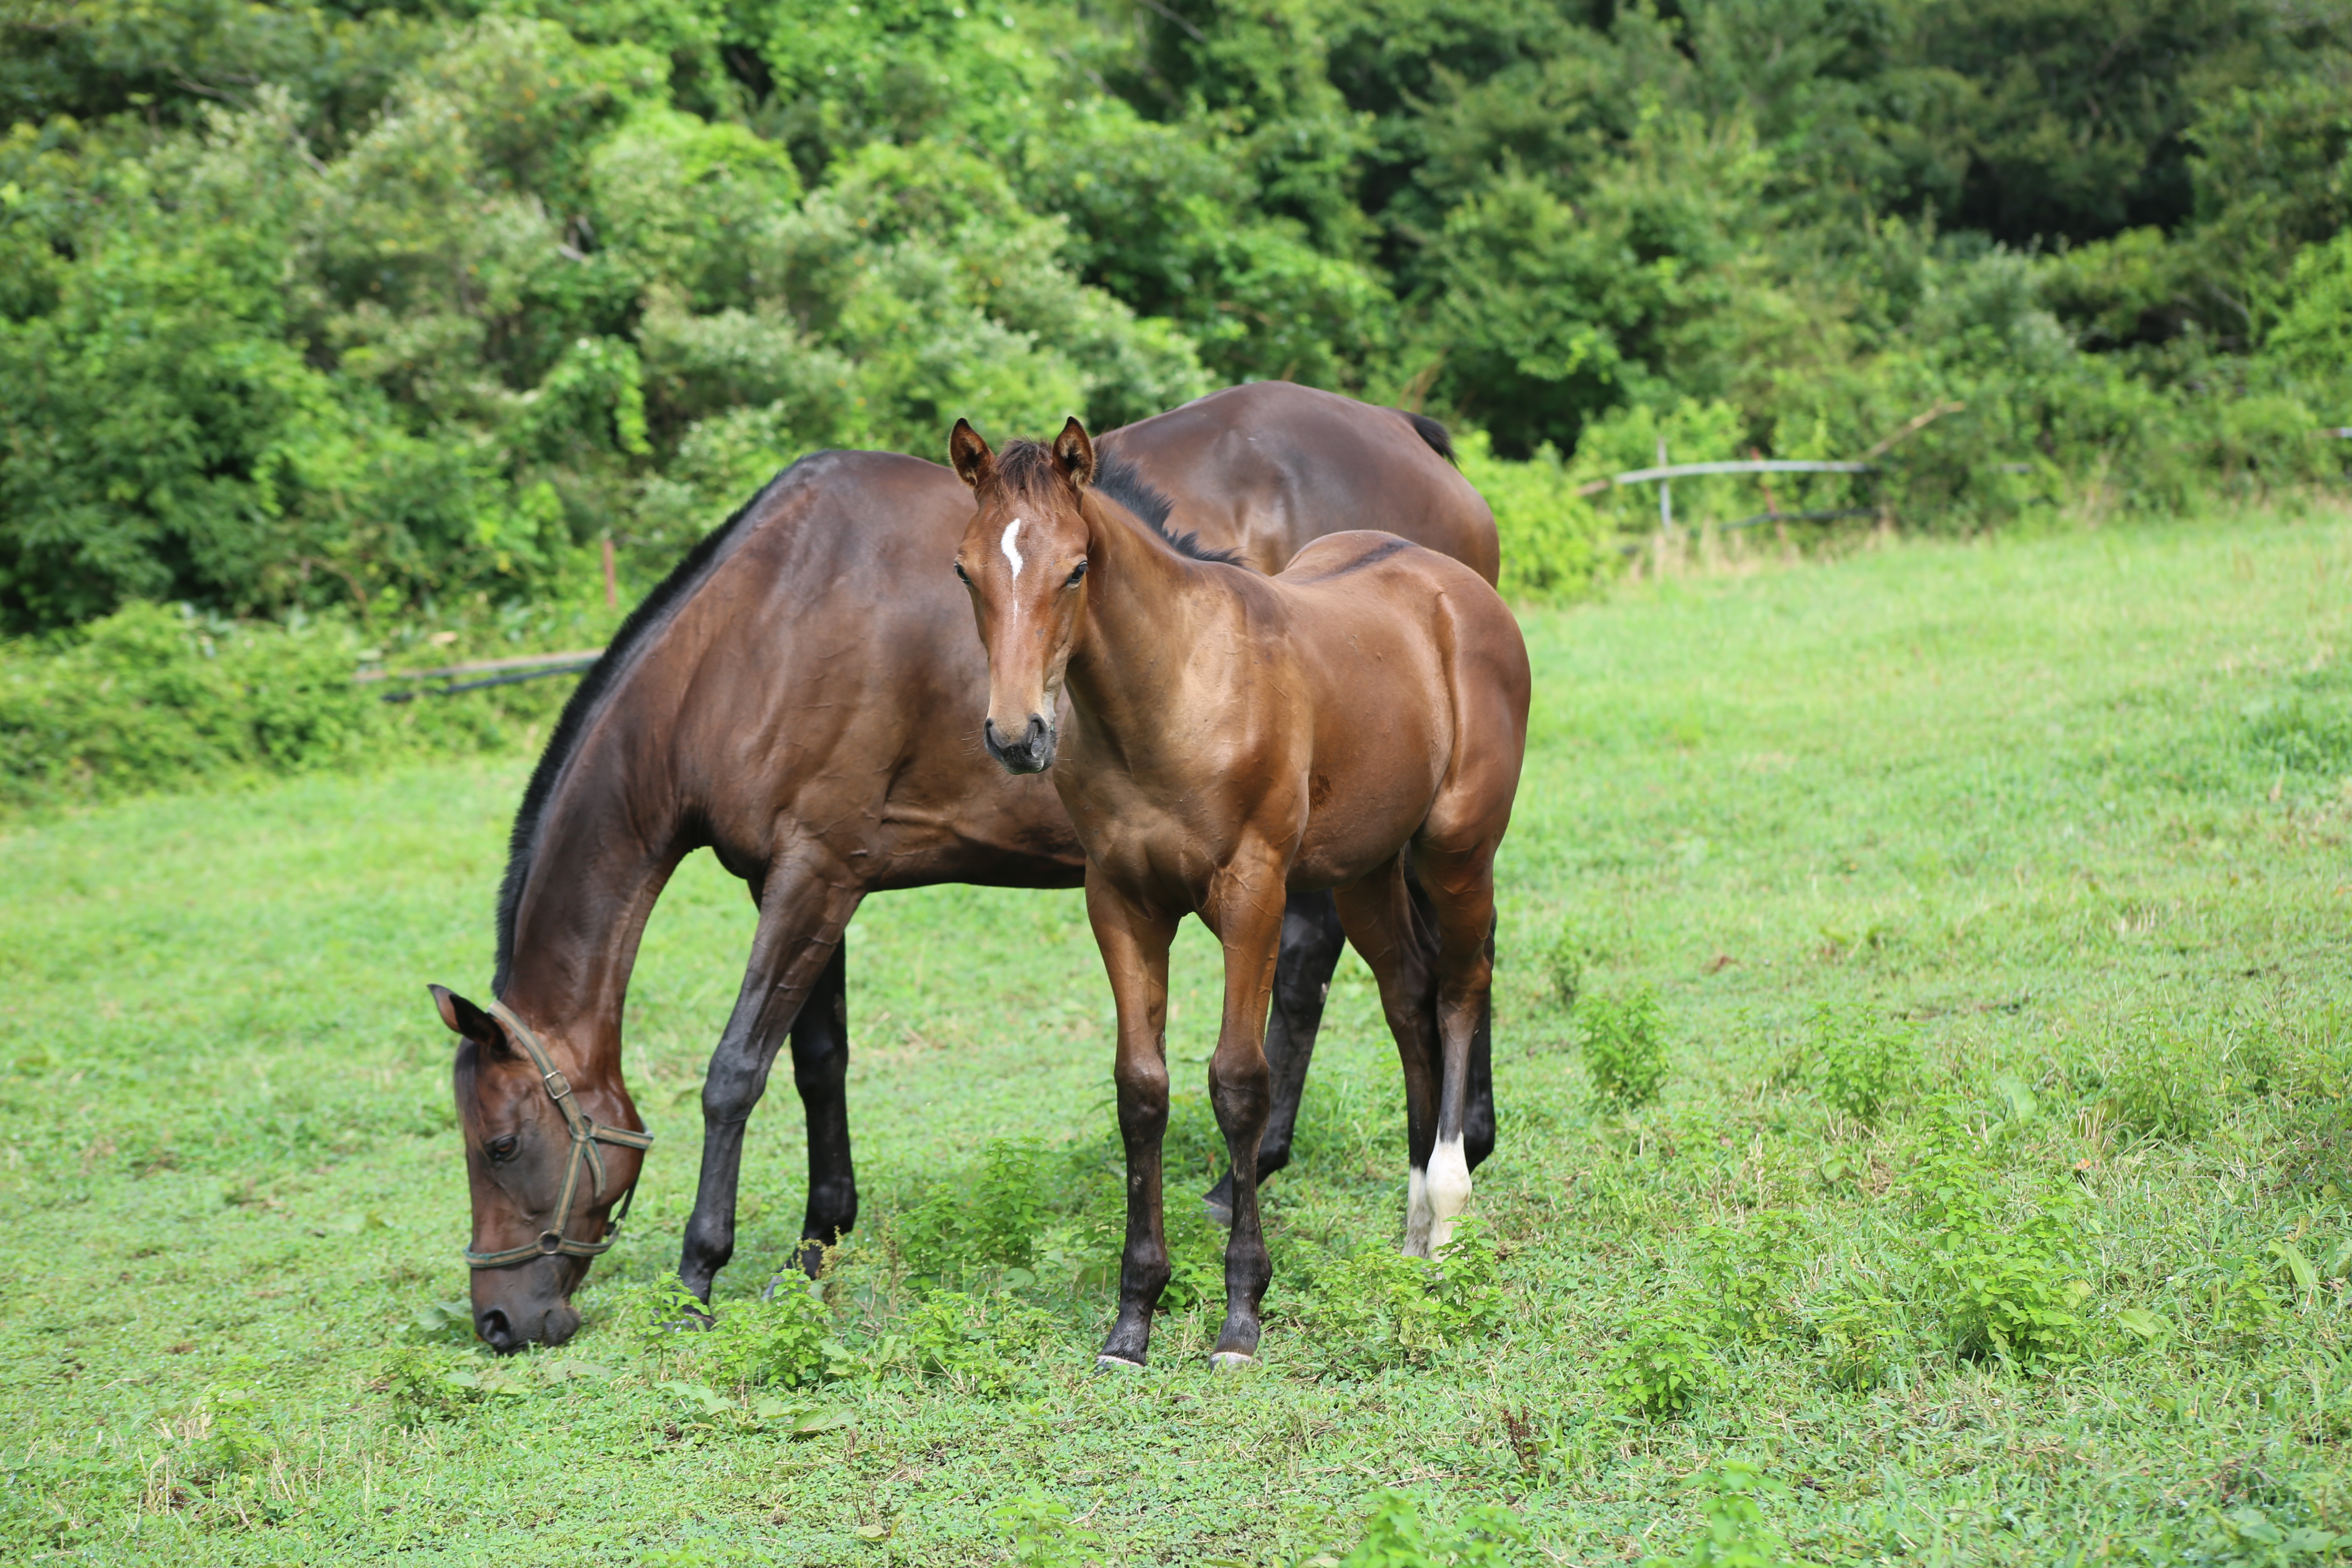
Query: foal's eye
[
  {"x": 961, "y": 575},
  {"x": 504, "y": 1148},
  {"x": 1076, "y": 572}
]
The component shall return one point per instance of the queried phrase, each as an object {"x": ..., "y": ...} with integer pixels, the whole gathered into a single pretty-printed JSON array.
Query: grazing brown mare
[
  {"x": 793, "y": 697},
  {"x": 1231, "y": 739}
]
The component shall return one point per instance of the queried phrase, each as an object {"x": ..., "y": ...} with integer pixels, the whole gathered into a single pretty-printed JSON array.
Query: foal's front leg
[
  {"x": 1246, "y": 911},
  {"x": 1134, "y": 943}
]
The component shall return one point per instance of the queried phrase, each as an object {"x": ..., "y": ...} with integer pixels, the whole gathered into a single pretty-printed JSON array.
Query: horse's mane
[
  {"x": 1027, "y": 464},
  {"x": 643, "y": 621}
]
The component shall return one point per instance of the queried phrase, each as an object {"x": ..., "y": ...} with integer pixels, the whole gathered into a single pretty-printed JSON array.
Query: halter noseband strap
[{"x": 585, "y": 1135}]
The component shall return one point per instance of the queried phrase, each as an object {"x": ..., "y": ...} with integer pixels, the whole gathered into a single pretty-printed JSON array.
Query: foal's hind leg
[
  {"x": 1378, "y": 916},
  {"x": 1461, "y": 888},
  {"x": 1478, "y": 1124}
]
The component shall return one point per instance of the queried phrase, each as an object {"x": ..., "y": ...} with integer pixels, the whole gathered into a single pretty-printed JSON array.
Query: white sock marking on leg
[
  {"x": 1012, "y": 551},
  {"x": 1449, "y": 1190},
  {"x": 1417, "y": 1214}
]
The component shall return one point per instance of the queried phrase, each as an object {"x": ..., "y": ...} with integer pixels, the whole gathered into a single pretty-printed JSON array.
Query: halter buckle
[{"x": 558, "y": 1087}]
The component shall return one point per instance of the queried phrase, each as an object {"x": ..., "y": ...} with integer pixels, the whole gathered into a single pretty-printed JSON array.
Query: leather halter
[{"x": 585, "y": 1135}]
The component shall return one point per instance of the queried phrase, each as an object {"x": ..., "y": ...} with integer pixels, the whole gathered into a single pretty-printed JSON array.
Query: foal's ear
[
  {"x": 465, "y": 1018},
  {"x": 1075, "y": 454},
  {"x": 972, "y": 460}
]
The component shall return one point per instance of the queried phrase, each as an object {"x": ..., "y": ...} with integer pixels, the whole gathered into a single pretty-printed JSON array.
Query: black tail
[{"x": 1434, "y": 435}]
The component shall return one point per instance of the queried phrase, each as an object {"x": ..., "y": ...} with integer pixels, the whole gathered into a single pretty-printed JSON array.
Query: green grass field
[{"x": 1994, "y": 1201}]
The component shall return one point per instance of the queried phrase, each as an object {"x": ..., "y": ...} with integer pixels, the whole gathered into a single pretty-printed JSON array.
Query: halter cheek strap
[{"x": 585, "y": 1135}]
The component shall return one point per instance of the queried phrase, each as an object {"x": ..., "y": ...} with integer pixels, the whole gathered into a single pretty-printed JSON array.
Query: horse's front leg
[
  {"x": 1134, "y": 943},
  {"x": 801, "y": 918},
  {"x": 1246, "y": 911}
]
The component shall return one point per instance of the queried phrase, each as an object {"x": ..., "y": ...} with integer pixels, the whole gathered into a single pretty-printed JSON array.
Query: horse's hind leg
[
  {"x": 820, "y": 1072},
  {"x": 1378, "y": 913},
  {"x": 1311, "y": 941},
  {"x": 803, "y": 914}
]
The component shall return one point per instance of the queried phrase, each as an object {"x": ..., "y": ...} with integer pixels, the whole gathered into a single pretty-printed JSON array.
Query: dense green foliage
[
  {"x": 150, "y": 698},
  {"x": 315, "y": 304},
  {"x": 1995, "y": 1205}
]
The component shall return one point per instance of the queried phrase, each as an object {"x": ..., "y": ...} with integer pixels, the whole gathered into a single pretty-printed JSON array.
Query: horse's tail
[{"x": 1433, "y": 436}]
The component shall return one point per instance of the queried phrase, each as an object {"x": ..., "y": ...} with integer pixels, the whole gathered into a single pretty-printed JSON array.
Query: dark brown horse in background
[
  {"x": 1234, "y": 740},
  {"x": 797, "y": 697}
]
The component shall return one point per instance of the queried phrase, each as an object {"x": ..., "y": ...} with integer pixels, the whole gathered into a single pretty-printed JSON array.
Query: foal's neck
[{"x": 1146, "y": 605}]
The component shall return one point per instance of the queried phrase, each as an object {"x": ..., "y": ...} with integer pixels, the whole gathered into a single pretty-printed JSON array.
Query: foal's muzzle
[{"x": 1032, "y": 753}]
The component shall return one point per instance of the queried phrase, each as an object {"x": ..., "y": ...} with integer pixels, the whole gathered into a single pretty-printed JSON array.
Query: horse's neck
[
  {"x": 1146, "y": 606},
  {"x": 608, "y": 838}
]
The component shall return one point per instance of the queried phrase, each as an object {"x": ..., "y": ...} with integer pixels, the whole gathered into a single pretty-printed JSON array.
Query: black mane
[
  {"x": 1433, "y": 435},
  {"x": 1119, "y": 479},
  {"x": 586, "y": 698}
]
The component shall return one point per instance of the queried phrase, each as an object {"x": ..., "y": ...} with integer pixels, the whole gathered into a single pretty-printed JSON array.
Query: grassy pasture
[{"x": 1985, "y": 901}]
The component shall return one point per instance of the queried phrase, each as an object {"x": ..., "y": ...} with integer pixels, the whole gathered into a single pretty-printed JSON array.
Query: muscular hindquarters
[{"x": 1418, "y": 679}]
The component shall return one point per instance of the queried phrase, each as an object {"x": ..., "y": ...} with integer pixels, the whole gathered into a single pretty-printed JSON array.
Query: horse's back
[
  {"x": 817, "y": 665},
  {"x": 1267, "y": 467}
]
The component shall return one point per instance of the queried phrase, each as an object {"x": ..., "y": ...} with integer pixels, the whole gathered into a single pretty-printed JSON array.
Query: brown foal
[{"x": 1233, "y": 739}]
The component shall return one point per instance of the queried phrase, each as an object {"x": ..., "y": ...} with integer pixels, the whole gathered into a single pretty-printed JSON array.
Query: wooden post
[
  {"x": 1665, "y": 495},
  {"x": 612, "y": 588}
]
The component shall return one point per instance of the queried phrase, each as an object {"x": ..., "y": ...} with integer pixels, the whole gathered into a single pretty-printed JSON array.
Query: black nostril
[{"x": 492, "y": 1325}]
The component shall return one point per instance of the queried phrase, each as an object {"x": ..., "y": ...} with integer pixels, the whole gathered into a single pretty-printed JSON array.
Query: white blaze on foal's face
[{"x": 1012, "y": 551}]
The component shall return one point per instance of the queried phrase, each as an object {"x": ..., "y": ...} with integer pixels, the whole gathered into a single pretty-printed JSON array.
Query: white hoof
[
  {"x": 1230, "y": 1361},
  {"x": 1116, "y": 1364}
]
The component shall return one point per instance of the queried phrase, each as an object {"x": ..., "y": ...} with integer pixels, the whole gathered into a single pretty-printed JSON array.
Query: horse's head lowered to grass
[
  {"x": 551, "y": 1164},
  {"x": 1024, "y": 559}
]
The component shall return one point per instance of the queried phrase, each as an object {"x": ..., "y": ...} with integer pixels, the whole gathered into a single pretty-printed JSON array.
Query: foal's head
[{"x": 1025, "y": 561}]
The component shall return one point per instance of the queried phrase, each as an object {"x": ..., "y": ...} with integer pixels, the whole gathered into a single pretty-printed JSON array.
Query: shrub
[
  {"x": 1624, "y": 1053},
  {"x": 1564, "y": 963},
  {"x": 1556, "y": 546},
  {"x": 1398, "y": 1535},
  {"x": 991, "y": 1218},
  {"x": 1735, "y": 1534},
  {"x": 2160, "y": 1085},
  {"x": 1378, "y": 1309},
  {"x": 157, "y": 697},
  {"x": 976, "y": 1342},
  {"x": 1863, "y": 1065},
  {"x": 1660, "y": 1367},
  {"x": 2007, "y": 1286},
  {"x": 1039, "y": 1533},
  {"x": 1855, "y": 1332},
  {"x": 1747, "y": 1272},
  {"x": 2244, "y": 1309},
  {"x": 787, "y": 1340}
]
